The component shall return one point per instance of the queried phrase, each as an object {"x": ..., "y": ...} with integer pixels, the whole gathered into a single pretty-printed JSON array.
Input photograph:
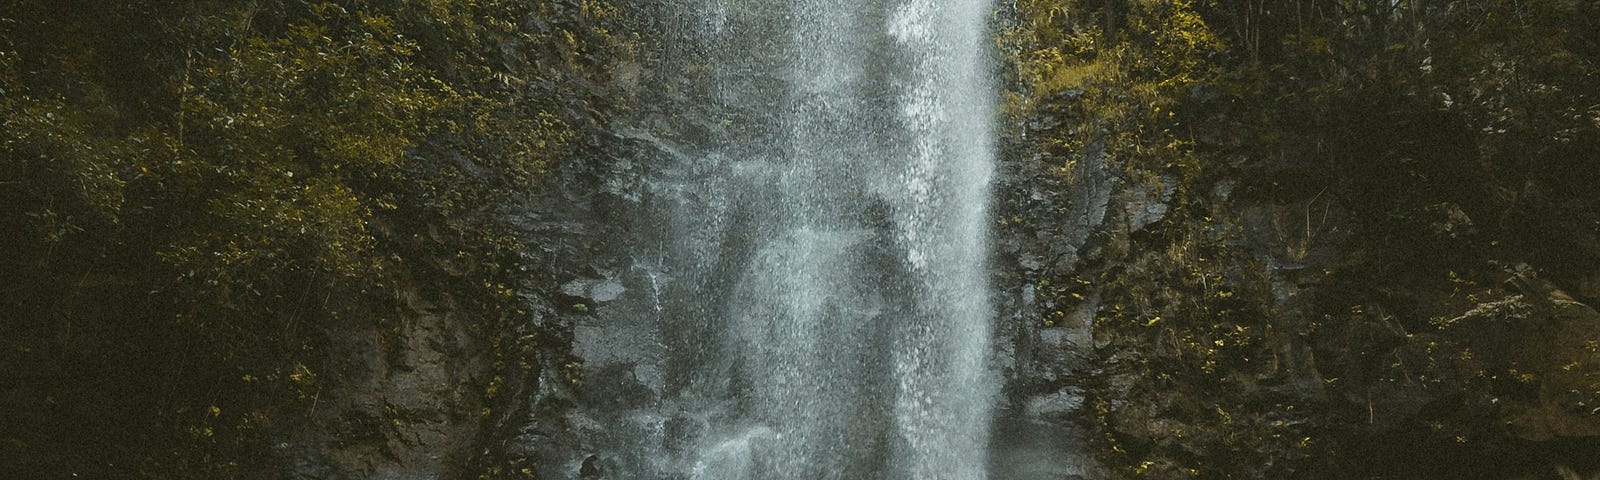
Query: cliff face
[
  {"x": 1309, "y": 243},
  {"x": 1196, "y": 389},
  {"x": 404, "y": 404},
  {"x": 265, "y": 239},
  {"x": 1231, "y": 244},
  {"x": 1301, "y": 240}
]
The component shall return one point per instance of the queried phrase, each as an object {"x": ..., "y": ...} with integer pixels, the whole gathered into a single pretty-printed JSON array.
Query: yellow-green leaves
[{"x": 214, "y": 186}]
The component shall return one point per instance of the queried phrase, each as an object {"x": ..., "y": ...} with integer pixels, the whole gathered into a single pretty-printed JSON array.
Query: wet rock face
[
  {"x": 1044, "y": 327},
  {"x": 1563, "y": 348},
  {"x": 405, "y": 405},
  {"x": 1171, "y": 328},
  {"x": 436, "y": 394},
  {"x": 575, "y": 394}
]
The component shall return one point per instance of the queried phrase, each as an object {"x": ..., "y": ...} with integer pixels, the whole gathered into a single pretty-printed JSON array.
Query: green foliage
[
  {"x": 199, "y": 195},
  {"x": 1118, "y": 84},
  {"x": 1336, "y": 314}
]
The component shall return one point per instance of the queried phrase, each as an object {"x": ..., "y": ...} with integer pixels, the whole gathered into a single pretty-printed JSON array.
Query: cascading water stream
[{"x": 825, "y": 307}]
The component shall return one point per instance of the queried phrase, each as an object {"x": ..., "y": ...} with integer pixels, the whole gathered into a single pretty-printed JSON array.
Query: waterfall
[{"x": 821, "y": 216}]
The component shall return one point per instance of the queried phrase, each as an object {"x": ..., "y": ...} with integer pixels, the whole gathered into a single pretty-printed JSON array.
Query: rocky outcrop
[
  {"x": 1174, "y": 327},
  {"x": 404, "y": 403},
  {"x": 1301, "y": 257}
]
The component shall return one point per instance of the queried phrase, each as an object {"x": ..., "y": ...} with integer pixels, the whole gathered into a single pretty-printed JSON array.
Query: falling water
[{"x": 822, "y": 225}]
